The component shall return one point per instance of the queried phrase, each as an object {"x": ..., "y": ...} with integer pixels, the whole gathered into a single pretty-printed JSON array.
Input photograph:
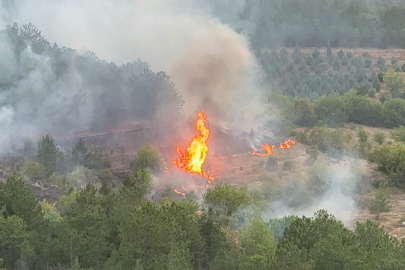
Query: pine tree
[
  {"x": 47, "y": 154},
  {"x": 79, "y": 152},
  {"x": 380, "y": 204}
]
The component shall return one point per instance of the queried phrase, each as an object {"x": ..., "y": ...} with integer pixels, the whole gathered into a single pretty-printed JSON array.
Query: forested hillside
[
  {"x": 105, "y": 208},
  {"x": 53, "y": 88},
  {"x": 314, "y": 23}
]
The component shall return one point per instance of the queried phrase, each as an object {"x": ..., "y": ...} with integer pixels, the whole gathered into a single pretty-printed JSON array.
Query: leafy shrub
[
  {"x": 349, "y": 55},
  {"x": 147, "y": 157},
  {"x": 379, "y": 137},
  {"x": 399, "y": 134},
  {"x": 362, "y": 134}
]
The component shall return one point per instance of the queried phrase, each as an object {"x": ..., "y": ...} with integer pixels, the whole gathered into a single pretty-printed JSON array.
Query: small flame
[
  {"x": 199, "y": 212},
  {"x": 192, "y": 159},
  {"x": 267, "y": 148},
  {"x": 180, "y": 193},
  {"x": 287, "y": 144}
]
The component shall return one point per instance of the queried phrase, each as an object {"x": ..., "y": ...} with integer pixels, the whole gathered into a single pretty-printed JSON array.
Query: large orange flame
[
  {"x": 267, "y": 148},
  {"x": 192, "y": 159}
]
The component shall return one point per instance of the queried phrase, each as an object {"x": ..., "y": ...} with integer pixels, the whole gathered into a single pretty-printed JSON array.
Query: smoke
[
  {"x": 337, "y": 188},
  {"x": 209, "y": 62},
  {"x": 215, "y": 73}
]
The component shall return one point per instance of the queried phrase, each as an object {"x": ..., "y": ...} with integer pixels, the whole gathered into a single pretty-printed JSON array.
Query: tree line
[{"x": 314, "y": 23}]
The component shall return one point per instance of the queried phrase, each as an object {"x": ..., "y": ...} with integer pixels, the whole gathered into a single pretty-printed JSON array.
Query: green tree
[
  {"x": 394, "y": 113},
  {"x": 141, "y": 181},
  {"x": 395, "y": 83},
  {"x": 226, "y": 199},
  {"x": 259, "y": 245},
  {"x": 303, "y": 113},
  {"x": 147, "y": 157},
  {"x": 14, "y": 240},
  {"x": 330, "y": 111},
  {"x": 380, "y": 204},
  {"x": 379, "y": 137},
  {"x": 47, "y": 154},
  {"x": 362, "y": 134},
  {"x": 79, "y": 152}
]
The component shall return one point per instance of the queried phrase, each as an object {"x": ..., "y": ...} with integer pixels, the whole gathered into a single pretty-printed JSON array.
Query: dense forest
[
  {"x": 314, "y": 23},
  {"x": 77, "y": 90}
]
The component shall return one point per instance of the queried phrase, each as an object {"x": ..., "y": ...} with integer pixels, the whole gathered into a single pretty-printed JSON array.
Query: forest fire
[
  {"x": 287, "y": 144},
  {"x": 192, "y": 159},
  {"x": 267, "y": 148}
]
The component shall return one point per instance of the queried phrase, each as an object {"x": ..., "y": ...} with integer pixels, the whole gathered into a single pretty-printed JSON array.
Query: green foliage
[
  {"x": 380, "y": 204},
  {"x": 362, "y": 134},
  {"x": 14, "y": 240},
  {"x": 362, "y": 91},
  {"x": 389, "y": 160},
  {"x": 395, "y": 83},
  {"x": 35, "y": 172},
  {"x": 379, "y": 137},
  {"x": 399, "y": 134},
  {"x": 271, "y": 164},
  {"x": 303, "y": 113},
  {"x": 327, "y": 140},
  {"x": 147, "y": 157},
  {"x": 259, "y": 245},
  {"x": 47, "y": 154},
  {"x": 226, "y": 199},
  {"x": 394, "y": 112},
  {"x": 330, "y": 111},
  {"x": 141, "y": 181}
]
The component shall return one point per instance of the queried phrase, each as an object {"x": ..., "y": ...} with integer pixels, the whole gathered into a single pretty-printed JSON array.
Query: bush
[
  {"x": 363, "y": 149},
  {"x": 271, "y": 164},
  {"x": 288, "y": 165},
  {"x": 399, "y": 134},
  {"x": 147, "y": 158},
  {"x": 349, "y": 55},
  {"x": 362, "y": 134},
  {"x": 379, "y": 137}
]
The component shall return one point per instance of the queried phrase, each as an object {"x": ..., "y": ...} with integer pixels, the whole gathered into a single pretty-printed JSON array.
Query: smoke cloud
[{"x": 209, "y": 62}]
